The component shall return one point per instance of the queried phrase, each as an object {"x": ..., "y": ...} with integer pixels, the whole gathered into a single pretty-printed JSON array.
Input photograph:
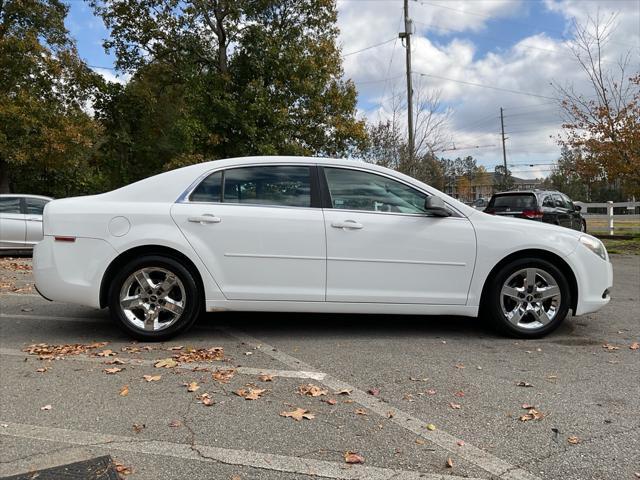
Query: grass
[
  {"x": 621, "y": 226},
  {"x": 624, "y": 247}
]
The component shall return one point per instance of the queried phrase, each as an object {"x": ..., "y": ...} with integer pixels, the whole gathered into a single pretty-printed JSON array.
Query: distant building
[{"x": 484, "y": 187}]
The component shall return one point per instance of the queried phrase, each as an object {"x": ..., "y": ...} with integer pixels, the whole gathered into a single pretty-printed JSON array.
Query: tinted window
[
  {"x": 514, "y": 202},
  {"x": 277, "y": 185},
  {"x": 568, "y": 202},
  {"x": 548, "y": 201},
  {"x": 10, "y": 205},
  {"x": 35, "y": 206},
  {"x": 559, "y": 201},
  {"x": 356, "y": 190},
  {"x": 209, "y": 190}
]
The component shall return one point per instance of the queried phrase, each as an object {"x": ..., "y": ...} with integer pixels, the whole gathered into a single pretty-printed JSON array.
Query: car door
[
  {"x": 549, "y": 212},
  {"x": 562, "y": 211},
  {"x": 575, "y": 219},
  {"x": 382, "y": 247},
  {"x": 12, "y": 223},
  {"x": 33, "y": 219},
  {"x": 259, "y": 231}
]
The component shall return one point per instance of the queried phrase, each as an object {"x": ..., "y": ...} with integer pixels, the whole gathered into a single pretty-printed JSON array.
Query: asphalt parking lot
[{"x": 412, "y": 397}]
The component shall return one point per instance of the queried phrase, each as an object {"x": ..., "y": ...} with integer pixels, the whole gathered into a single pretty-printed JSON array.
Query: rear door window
[
  {"x": 513, "y": 202},
  {"x": 10, "y": 205},
  {"x": 35, "y": 206},
  {"x": 288, "y": 186}
]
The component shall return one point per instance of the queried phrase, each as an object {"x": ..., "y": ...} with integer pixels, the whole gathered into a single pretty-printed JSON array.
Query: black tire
[
  {"x": 188, "y": 289},
  {"x": 492, "y": 307}
]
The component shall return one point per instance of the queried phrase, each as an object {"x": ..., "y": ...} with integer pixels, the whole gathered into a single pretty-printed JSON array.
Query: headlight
[{"x": 595, "y": 245}]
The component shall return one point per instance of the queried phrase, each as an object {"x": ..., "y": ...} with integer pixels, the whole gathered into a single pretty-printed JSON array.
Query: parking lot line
[
  {"x": 486, "y": 461},
  {"x": 205, "y": 453},
  {"x": 186, "y": 366}
]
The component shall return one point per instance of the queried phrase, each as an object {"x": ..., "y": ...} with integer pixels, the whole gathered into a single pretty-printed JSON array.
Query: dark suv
[{"x": 546, "y": 206}]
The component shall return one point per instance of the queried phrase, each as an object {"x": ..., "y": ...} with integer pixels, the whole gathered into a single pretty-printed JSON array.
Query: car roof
[
  {"x": 24, "y": 195},
  {"x": 533, "y": 192}
]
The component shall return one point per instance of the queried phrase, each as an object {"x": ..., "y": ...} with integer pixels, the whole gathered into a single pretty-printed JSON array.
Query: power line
[
  {"x": 473, "y": 84},
  {"x": 370, "y": 47}
]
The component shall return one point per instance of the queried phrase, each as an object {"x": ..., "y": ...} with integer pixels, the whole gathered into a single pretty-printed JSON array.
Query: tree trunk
[{"x": 4, "y": 177}]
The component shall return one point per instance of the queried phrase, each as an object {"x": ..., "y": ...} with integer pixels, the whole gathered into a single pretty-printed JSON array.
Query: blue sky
[{"x": 515, "y": 45}]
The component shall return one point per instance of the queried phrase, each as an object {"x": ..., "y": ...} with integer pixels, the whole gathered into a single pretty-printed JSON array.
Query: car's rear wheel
[
  {"x": 528, "y": 298},
  {"x": 154, "y": 298}
]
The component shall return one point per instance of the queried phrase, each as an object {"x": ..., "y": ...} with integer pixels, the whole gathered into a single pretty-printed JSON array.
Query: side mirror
[
  {"x": 435, "y": 206},
  {"x": 578, "y": 208}
]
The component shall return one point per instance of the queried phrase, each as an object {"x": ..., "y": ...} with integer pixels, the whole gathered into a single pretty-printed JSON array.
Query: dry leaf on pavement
[
  {"x": 573, "y": 440},
  {"x": 205, "y": 399},
  {"x": 449, "y": 463},
  {"x": 192, "y": 386},
  {"x": 200, "y": 355},
  {"x": 124, "y": 391},
  {"x": 223, "y": 375},
  {"x": 138, "y": 427},
  {"x": 298, "y": 414},
  {"x": 111, "y": 371},
  {"x": 374, "y": 391},
  {"x": 106, "y": 353},
  {"x": 361, "y": 411},
  {"x": 152, "y": 378},
  {"x": 114, "y": 361},
  {"x": 455, "y": 406},
  {"x": 175, "y": 423},
  {"x": 265, "y": 377},
  {"x": 330, "y": 401},
  {"x": 634, "y": 346},
  {"x": 123, "y": 469},
  {"x": 344, "y": 391},
  {"x": 352, "y": 457},
  {"x": 42, "y": 370},
  {"x": 532, "y": 414},
  {"x": 166, "y": 363},
  {"x": 609, "y": 347},
  {"x": 311, "y": 390},
  {"x": 250, "y": 393}
]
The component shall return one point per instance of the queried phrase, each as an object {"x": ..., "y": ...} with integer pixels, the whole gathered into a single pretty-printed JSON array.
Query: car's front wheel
[
  {"x": 528, "y": 298},
  {"x": 154, "y": 298}
]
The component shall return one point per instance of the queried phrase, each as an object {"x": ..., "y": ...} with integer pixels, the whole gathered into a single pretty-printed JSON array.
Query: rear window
[{"x": 514, "y": 202}]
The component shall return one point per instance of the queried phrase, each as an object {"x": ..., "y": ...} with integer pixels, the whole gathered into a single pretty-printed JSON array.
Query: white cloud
[
  {"x": 529, "y": 66},
  {"x": 112, "y": 76}
]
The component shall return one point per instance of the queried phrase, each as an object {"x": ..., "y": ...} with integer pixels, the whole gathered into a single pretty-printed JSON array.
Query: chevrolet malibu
[{"x": 309, "y": 235}]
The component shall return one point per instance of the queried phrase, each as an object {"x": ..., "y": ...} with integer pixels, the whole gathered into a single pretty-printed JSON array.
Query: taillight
[
  {"x": 64, "y": 239},
  {"x": 535, "y": 214}
]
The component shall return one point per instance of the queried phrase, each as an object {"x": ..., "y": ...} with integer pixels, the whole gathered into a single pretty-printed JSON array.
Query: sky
[{"x": 477, "y": 55}]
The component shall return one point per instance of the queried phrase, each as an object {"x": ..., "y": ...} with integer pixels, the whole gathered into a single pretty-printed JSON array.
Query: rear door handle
[
  {"x": 205, "y": 218},
  {"x": 350, "y": 224}
]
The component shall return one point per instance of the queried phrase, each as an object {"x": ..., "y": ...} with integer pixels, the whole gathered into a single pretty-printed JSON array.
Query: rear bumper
[{"x": 71, "y": 271}]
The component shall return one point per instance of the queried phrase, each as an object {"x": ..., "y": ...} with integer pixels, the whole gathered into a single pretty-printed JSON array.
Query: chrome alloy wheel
[
  {"x": 530, "y": 298},
  {"x": 152, "y": 299}
]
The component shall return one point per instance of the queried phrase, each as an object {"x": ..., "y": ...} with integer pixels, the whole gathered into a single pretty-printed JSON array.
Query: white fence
[{"x": 616, "y": 217}]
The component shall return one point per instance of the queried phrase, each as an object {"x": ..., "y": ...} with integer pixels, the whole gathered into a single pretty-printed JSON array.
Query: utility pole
[
  {"x": 504, "y": 148},
  {"x": 406, "y": 35}
]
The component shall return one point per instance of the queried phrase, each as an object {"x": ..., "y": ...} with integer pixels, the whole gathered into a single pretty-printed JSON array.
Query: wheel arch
[
  {"x": 134, "y": 252},
  {"x": 558, "y": 261}
]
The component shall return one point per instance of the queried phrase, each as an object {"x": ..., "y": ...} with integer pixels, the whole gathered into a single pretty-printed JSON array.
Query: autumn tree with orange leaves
[{"x": 604, "y": 127}]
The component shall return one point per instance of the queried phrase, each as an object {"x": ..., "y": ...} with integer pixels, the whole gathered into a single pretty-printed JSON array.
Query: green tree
[
  {"x": 279, "y": 90},
  {"x": 504, "y": 179},
  {"x": 46, "y": 137}
]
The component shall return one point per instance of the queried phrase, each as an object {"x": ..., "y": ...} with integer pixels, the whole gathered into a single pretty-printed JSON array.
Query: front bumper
[
  {"x": 71, "y": 271},
  {"x": 595, "y": 280}
]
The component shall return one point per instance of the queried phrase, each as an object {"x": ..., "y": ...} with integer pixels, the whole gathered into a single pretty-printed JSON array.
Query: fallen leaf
[
  {"x": 311, "y": 390},
  {"x": 431, "y": 391},
  {"x": 138, "y": 428},
  {"x": 298, "y": 414},
  {"x": 352, "y": 457},
  {"x": 455, "y": 406},
  {"x": 460, "y": 443},
  {"x": 42, "y": 370},
  {"x": 192, "y": 387},
  {"x": 175, "y": 424},
  {"x": 52, "y": 352},
  {"x": 374, "y": 391},
  {"x": 111, "y": 371},
  {"x": 175, "y": 347},
  {"x": 532, "y": 414},
  {"x": 634, "y": 346},
  {"x": 46, "y": 407},
  {"x": 124, "y": 391},
  {"x": 114, "y": 361},
  {"x": 251, "y": 393},
  {"x": 123, "y": 469},
  {"x": 391, "y": 414},
  {"x": 265, "y": 377},
  {"x": 523, "y": 384},
  {"x": 344, "y": 391},
  {"x": 420, "y": 441},
  {"x": 573, "y": 440},
  {"x": 152, "y": 378},
  {"x": 205, "y": 399},
  {"x": 236, "y": 477},
  {"x": 106, "y": 353},
  {"x": 200, "y": 355},
  {"x": 166, "y": 363},
  {"x": 459, "y": 365},
  {"x": 527, "y": 406},
  {"x": 552, "y": 377},
  {"x": 609, "y": 347},
  {"x": 361, "y": 411},
  {"x": 459, "y": 394},
  {"x": 449, "y": 463},
  {"x": 431, "y": 427},
  {"x": 330, "y": 401}
]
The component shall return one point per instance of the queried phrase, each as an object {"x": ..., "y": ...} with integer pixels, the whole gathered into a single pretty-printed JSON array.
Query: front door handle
[
  {"x": 350, "y": 224},
  {"x": 204, "y": 219}
]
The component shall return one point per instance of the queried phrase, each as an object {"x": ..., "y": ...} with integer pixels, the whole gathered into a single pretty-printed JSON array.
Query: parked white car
[
  {"x": 21, "y": 220},
  {"x": 309, "y": 235}
]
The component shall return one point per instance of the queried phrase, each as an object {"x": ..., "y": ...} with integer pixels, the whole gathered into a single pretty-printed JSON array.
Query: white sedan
[{"x": 309, "y": 235}]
